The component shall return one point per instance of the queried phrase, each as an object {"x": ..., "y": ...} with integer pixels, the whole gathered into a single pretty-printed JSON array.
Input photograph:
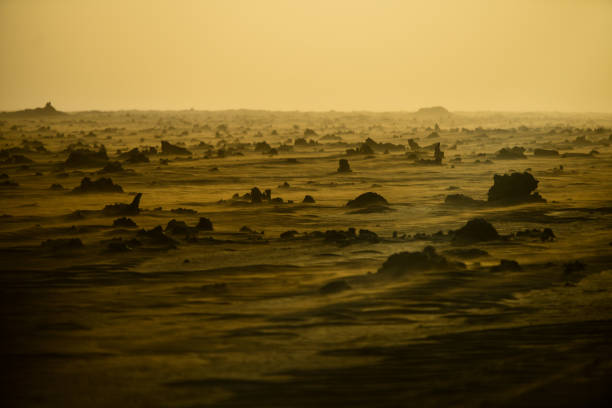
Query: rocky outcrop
[
  {"x": 102, "y": 185},
  {"x": 514, "y": 188},
  {"x": 367, "y": 200}
]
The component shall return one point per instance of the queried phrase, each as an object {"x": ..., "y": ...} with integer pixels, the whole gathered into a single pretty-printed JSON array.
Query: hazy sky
[{"x": 307, "y": 55}]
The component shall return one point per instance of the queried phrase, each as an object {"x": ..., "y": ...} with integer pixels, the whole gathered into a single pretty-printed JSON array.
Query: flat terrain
[{"x": 96, "y": 314}]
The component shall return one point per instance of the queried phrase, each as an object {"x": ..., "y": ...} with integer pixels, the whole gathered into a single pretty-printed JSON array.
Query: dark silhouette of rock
[
  {"x": 288, "y": 234},
  {"x": 573, "y": 267},
  {"x": 476, "y": 230},
  {"x": 404, "y": 262},
  {"x": 414, "y": 146},
  {"x": 545, "y": 153},
  {"x": 177, "y": 227},
  {"x": 334, "y": 287},
  {"x": 102, "y": 185},
  {"x": 343, "y": 166},
  {"x": 112, "y": 167},
  {"x": 433, "y": 113},
  {"x": 366, "y": 200},
  {"x": 87, "y": 158},
  {"x": 514, "y": 188},
  {"x": 124, "y": 209},
  {"x": 438, "y": 156},
  {"x": 308, "y": 199},
  {"x": 124, "y": 222},
  {"x": 134, "y": 156},
  {"x": 56, "y": 187},
  {"x": 47, "y": 110},
  {"x": 509, "y": 154},
  {"x": 185, "y": 211},
  {"x": 204, "y": 224},
  {"x": 17, "y": 159},
  {"x": 9, "y": 184},
  {"x": 169, "y": 148},
  {"x": 156, "y": 236},
  {"x": 256, "y": 195},
  {"x": 367, "y": 235},
  {"x": 62, "y": 244},
  {"x": 544, "y": 235},
  {"x": 466, "y": 253},
  {"x": 363, "y": 148},
  {"x": 461, "y": 199},
  {"x": 506, "y": 265}
]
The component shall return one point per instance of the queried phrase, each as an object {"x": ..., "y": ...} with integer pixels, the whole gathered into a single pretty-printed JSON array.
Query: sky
[{"x": 313, "y": 55}]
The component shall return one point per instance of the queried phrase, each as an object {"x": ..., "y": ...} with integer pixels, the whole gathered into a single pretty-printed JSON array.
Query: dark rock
[
  {"x": 343, "y": 166},
  {"x": 476, "y": 230},
  {"x": 112, "y": 167},
  {"x": 124, "y": 222},
  {"x": 185, "y": 211},
  {"x": 466, "y": 253},
  {"x": 366, "y": 200},
  {"x": 87, "y": 158},
  {"x": 506, "y": 265},
  {"x": 134, "y": 156},
  {"x": 367, "y": 235},
  {"x": 545, "y": 153},
  {"x": 308, "y": 199},
  {"x": 118, "y": 245},
  {"x": 334, "y": 287},
  {"x": 289, "y": 234},
  {"x": 509, "y": 154},
  {"x": 177, "y": 227},
  {"x": 169, "y": 148},
  {"x": 514, "y": 188},
  {"x": 17, "y": 159},
  {"x": 102, "y": 185},
  {"x": 124, "y": 209},
  {"x": 404, "y": 262},
  {"x": 256, "y": 195},
  {"x": 9, "y": 184},
  {"x": 156, "y": 236},
  {"x": 56, "y": 187},
  {"x": 204, "y": 224},
  {"x": 62, "y": 244},
  {"x": 461, "y": 199}
]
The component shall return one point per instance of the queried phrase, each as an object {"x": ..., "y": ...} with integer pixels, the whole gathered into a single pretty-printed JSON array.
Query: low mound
[
  {"x": 86, "y": 158},
  {"x": 308, "y": 199},
  {"x": 404, "y": 262},
  {"x": 514, "y": 188},
  {"x": 169, "y": 148},
  {"x": 476, "y": 230},
  {"x": 367, "y": 200},
  {"x": 545, "y": 153},
  {"x": 460, "y": 199},
  {"x": 124, "y": 222},
  {"x": 102, "y": 185}
]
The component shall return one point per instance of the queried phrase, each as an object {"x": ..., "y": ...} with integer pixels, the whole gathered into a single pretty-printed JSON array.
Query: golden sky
[{"x": 375, "y": 55}]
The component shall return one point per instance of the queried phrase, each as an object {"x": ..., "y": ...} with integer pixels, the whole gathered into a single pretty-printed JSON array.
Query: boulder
[
  {"x": 514, "y": 188},
  {"x": 476, "y": 230},
  {"x": 102, "y": 185},
  {"x": 169, "y": 148},
  {"x": 366, "y": 200},
  {"x": 343, "y": 166}
]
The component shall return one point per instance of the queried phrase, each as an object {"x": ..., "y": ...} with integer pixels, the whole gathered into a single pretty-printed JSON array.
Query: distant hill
[
  {"x": 47, "y": 110},
  {"x": 433, "y": 112}
]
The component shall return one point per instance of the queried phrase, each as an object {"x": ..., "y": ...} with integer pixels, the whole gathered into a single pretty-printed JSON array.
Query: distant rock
[
  {"x": 366, "y": 200},
  {"x": 124, "y": 222},
  {"x": 402, "y": 263},
  {"x": 510, "y": 154},
  {"x": 461, "y": 200},
  {"x": 334, "y": 287},
  {"x": 102, "y": 185},
  {"x": 506, "y": 265},
  {"x": 87, "y": 158},
  {"x": 434, "y": 112},
  {"x": 47, "y": 110},
  {"x": 545, "y": 153},
  {"x": 476, "y": 230},
  {"x": 343, "y": 166},
  {"x": 112, "y": 167},
  {"x": 308, "y": 199},
  {"x": 169, "y": 148},
  {"x": 204, "y": 224},
  {"x": 124, "y": 209},
  {"x": 134, "y": 156},
  {"x": 62, "y": 244}
]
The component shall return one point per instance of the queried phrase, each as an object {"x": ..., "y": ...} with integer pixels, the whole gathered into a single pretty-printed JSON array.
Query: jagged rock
[
  {"x": 124, "y": 209},
  {"x": 308, "y": 199},
  {"x": 134, "y": 156},
  {"x": 169, "y": 148},
  {"x": 404, "y": 262},
  {"x": 506, "y": 265},
  {"x": 204, "y": 224},
  {"x": 334, "y": 287},
  {"x": 87, "y": 158},
  {"x": 545, "y": 153},
  {"x": 112, "y": 167},
  {"x": 514, "y": 188},
  {"x": 102, "y": 185},
  {"x": 177, "y": 227},
  {"x": 476, "y": 230},
  {"x": 508, "y": 154},
  {"x": 366, "y": 200},
  {"x": 124, "y": 222},
  {"x": 256, "y": 195},
  {"x": 156, "y": 236},
  {"x": 343, "y": 166}
]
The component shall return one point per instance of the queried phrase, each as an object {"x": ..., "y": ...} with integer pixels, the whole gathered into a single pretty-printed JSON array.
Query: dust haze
[{"x": 297, "y": 204}]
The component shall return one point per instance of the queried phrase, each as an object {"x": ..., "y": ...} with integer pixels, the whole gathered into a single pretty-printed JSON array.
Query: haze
[{"x": 306, "y": 55}]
